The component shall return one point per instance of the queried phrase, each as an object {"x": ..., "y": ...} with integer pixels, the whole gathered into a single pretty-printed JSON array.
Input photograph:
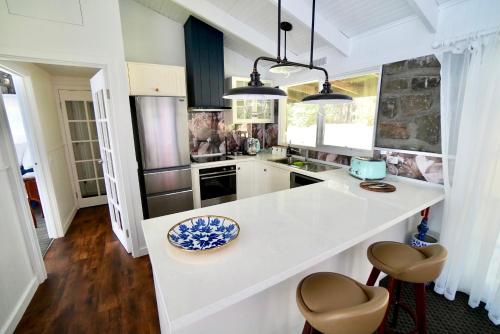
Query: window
[
  {"x": 351, "y": 125},
  {"x": 337, "y": 128},
  {"x": 301, "y": 119}
]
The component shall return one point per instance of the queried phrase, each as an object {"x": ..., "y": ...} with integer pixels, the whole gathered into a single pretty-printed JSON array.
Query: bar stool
[
  {"x": 404, "y": 263},
  {"x": 336, "y": 304}
]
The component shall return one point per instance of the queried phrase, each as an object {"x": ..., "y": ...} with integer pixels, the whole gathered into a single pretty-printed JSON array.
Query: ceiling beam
[
  {"x": 427, "y": 11},
  {"x": 301, "y": 10},
  {"x": 205, "y": 10}
]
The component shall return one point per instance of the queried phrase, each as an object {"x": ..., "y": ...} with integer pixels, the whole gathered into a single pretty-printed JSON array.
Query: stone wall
[{"x": 409, "y": 106}]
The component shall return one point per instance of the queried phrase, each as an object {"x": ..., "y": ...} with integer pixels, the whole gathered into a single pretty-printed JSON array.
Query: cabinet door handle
[
  {"x": 157, "y": 89},
  {"x": 239, "y": 168},
  {"x": 265, "y": 170}
]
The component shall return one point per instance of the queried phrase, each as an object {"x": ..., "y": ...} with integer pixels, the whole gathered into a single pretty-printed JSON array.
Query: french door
[
  {"x": 85, "y": 155},
  {"x": 101, "y": 98}
]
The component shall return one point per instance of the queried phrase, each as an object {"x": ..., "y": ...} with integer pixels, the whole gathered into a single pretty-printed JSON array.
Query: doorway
[
  {"x": 26, "y": 164},
  {"x": 65, "y": 112}
]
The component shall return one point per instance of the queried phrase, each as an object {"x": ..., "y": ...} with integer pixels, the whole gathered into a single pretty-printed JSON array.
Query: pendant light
[
  {"x": 257, "y": 91},
  {"x": 285, "y": 67}
]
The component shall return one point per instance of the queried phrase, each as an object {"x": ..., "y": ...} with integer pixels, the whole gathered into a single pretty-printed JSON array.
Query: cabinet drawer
[{"x": 156, "y": 80}]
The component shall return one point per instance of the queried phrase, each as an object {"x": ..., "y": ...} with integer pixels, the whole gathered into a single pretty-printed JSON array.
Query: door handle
[{"x": 99, "y": 161}]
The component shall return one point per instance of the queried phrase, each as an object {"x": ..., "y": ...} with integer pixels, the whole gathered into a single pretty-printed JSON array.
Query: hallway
[{"x": 93, "y": 285}]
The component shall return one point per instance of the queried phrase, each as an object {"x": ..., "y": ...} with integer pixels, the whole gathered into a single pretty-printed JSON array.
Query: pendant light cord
[
  {"x": 312, "y": 34},
  {"x": 279, "y": 31}
]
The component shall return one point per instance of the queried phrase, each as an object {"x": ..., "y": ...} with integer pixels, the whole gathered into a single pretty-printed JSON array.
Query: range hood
[{"x": 204, "y": 66}]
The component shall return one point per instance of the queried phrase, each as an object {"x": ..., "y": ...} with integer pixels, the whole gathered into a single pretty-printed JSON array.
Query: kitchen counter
[
  {"x": 282, "y": 234},
  {"x": 269, "y": 158}
]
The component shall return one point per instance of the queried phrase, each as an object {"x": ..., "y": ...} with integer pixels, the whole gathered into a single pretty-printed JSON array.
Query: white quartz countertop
[{"x": 282, "y": 234}]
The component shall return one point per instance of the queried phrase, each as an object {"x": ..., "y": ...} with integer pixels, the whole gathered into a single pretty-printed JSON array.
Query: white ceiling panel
[
  {"x": 355, "y": 17},
  {"x": 262, "y": 15}
]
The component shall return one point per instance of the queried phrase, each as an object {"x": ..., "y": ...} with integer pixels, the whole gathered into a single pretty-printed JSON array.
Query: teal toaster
[{"x": 367, "y": 168}]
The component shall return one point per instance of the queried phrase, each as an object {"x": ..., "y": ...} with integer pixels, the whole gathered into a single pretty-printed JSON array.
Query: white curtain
[{"x": 470, "y": 121}]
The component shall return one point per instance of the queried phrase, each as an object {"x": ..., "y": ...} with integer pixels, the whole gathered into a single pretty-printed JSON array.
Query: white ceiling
[
  {"x": 68, "y": 71},
  {"x": 350, "y": 17},
  {"x": 262, "y": 16},
  {"x": 356, "y": 17}
]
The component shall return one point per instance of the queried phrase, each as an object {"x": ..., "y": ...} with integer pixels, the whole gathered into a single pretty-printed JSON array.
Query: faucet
[{"x": 291, "y": 150}]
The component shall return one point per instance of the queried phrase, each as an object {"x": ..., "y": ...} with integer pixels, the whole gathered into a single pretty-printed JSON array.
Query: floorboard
[{"x": 93, "y": 285}]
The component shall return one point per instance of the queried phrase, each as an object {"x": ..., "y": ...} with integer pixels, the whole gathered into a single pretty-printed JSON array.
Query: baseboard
[
  {"x": 141, "y": 252},
  {"x": 69, "y": 219},
  {"x": 18, "y": 311}
]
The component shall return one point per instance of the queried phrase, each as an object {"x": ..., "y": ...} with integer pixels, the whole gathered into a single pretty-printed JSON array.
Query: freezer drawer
[
  {"x": 167, "y": 181},
  {"x": 161, "y": 205}
]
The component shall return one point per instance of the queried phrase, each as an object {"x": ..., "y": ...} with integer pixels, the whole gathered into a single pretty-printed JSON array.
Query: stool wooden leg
[
  {"x": 390, "y": 288},
  {"x": 420, "y": 301},
  {"x": 308, "y": 329},
  {"x": 397, "y": 299},
  {"x": 373, "y": 277}
]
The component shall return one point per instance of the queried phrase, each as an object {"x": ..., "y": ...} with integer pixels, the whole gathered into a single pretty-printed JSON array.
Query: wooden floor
[{"x": 93, "y": 285}]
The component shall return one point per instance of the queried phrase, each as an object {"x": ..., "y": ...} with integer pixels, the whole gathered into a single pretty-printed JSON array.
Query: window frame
[{"x": 282, "y": 118}]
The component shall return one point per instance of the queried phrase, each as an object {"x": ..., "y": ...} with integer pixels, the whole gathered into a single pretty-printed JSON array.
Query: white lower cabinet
[
  {"x": 279, "y": 179},
  {"x": 268, "y": 179},
  {"x": 244, "y": 179}
]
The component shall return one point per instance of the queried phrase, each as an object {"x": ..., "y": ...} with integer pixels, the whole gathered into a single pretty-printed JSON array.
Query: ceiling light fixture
[
  {"x": 257, "y": 91},
  {"x": 284, "y": 67}
]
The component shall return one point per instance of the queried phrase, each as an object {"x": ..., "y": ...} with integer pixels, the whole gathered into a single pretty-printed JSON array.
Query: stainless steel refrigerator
[{"x": 162, "y": 149}]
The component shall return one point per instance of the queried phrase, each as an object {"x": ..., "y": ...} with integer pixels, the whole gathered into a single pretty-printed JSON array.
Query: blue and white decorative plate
[{"x": 203, "y": 233}]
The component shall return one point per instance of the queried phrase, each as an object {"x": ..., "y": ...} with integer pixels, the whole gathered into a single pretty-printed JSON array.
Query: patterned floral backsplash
[
  {"x": 415, "y": 166},
  {"x": 208, "y": 133}
]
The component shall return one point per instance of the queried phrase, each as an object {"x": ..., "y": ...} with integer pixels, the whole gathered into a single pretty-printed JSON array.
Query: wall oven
[{"x": 217, "y": 185}]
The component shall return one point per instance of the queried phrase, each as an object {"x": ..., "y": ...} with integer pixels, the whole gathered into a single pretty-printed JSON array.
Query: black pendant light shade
[
  {"x": 255, "y": 91},
  {"x": 327, "y": 96}
]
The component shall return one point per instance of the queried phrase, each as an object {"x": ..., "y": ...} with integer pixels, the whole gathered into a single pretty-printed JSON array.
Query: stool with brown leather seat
[
  {"x": 336, "y": 304},
  {"x": 403, "y": 263}
]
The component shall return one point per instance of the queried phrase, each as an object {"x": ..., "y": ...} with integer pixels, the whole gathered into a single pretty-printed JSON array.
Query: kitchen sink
[{"x": 305, "y": 165}]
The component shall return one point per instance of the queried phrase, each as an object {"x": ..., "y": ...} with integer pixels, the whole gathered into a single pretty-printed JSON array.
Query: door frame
[
  {"x": 64, "y": 95},
  {"x": 129, "y": 209}
]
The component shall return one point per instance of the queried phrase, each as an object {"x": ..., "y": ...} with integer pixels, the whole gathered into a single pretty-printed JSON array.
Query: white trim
[
  {"x": 427, "y": 11},
  {"x": 141, "y": 252},
  {"x": 427, "y": 154},
  {"x": 21, "y": 306},
  {"x": 69, "y": 219}
]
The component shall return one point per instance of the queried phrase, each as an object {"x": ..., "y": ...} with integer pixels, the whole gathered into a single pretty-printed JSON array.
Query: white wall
[{"x": 150, "y": 37}]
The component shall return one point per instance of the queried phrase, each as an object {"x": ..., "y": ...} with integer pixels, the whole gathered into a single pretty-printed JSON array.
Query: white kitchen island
[{"x": 249, "y": 286}]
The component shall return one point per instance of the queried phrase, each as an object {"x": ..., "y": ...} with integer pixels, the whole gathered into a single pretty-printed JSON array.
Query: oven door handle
[
  {"x": 217, "y": 173},
  {"x": 216, "y": 176}
]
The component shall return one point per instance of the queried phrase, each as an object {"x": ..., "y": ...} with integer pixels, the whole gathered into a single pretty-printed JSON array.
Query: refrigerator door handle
[
  {"x": 159, "y": 171},
  {"x": 169, "y": 193}
]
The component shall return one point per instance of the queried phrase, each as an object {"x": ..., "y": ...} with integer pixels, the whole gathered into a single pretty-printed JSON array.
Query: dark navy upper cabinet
[{"x": 204, "y": 65}]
